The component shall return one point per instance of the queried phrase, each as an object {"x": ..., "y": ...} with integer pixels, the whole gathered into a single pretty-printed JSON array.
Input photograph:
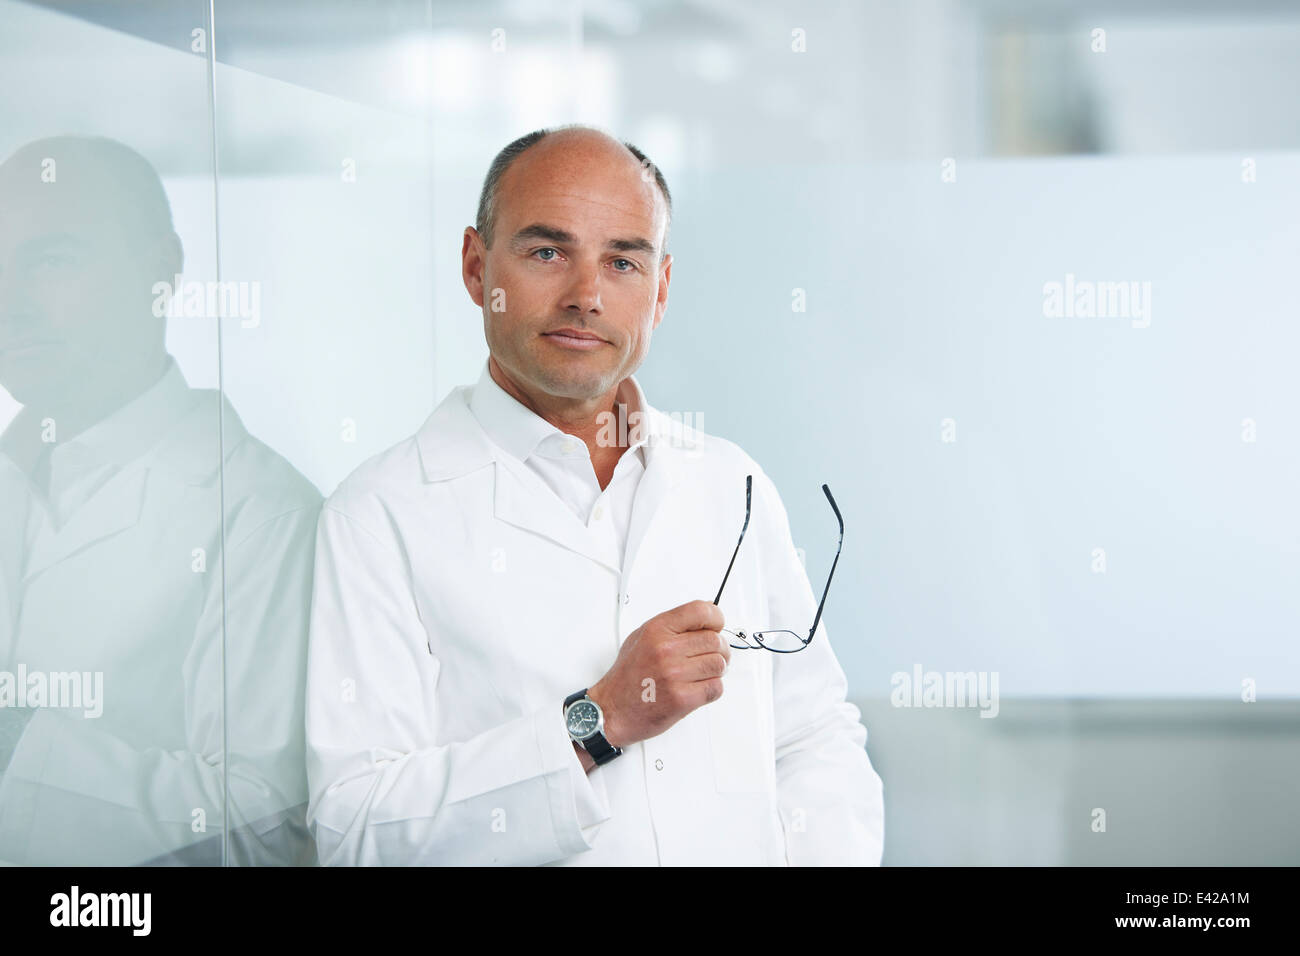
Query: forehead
[
  {"x": 91, "y": 209},
  {"x": 582, "y": 185}
]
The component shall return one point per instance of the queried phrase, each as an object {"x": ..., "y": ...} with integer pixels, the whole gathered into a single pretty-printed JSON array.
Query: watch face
[{"x": 583, "y": 719}]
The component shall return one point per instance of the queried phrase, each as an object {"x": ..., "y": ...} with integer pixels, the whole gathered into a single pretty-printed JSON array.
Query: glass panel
[
  {"x": 110, "y": 513},
  {"x": 1069, "y": 573},
  {"x": 1009, "y": 277},
  {"x": 326, "y": 183}
]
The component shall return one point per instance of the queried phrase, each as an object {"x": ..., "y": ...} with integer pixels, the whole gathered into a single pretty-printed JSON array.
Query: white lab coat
[
  {"x": 457, "y": 603},
  {"x": 131, "y": 587}
]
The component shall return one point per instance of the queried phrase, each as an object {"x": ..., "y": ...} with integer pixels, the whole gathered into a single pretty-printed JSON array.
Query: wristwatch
[{"x": 586, "y": 723}]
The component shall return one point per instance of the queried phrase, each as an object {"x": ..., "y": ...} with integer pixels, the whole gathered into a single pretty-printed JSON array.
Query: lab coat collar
[
  {"x": 452, "y": 443},
  {"x": 134, "y": 429},
  {"x": 188, "y": 444},
  {"x": 517, "y": 429},
  {"x": 170, "y": 427},
  {"x": 118, "y": 438},
  {"x": 523, "y": 433}
]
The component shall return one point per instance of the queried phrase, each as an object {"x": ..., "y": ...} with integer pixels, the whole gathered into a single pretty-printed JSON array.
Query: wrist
[
  {"x": 612, "y": 730},
  {"x": 584, "y": 719}
]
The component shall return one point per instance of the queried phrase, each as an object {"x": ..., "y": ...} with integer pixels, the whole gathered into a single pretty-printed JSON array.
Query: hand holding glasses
[{"x": 778, "y": 641}]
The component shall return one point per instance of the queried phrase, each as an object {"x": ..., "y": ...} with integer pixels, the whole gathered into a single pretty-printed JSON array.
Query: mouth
[{"x": 574, "y": 339}]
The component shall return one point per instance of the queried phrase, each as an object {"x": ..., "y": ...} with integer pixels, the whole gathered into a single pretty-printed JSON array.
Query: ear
[
  {"x": 473, "y": 260},
  {"x": 175, "y": 252},
  {"x": 661, "y": 298},
  {"x": 166, "y": 255}
]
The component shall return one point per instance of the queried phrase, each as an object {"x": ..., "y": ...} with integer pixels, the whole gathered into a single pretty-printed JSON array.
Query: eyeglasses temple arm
[
  {"x": 821, "y": 604},
  {"x": 749, "y": 487}
]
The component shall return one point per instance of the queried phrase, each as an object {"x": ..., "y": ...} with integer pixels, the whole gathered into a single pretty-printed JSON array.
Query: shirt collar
[
  {"x": 124, "y": 434},
  {"x": 523, "y": 433},
  {"x": 136, "y": 427},
  {"x": 168, "y": 424}
]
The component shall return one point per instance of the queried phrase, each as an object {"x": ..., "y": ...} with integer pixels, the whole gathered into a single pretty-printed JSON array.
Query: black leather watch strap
[{"x": 601, "y": 750}]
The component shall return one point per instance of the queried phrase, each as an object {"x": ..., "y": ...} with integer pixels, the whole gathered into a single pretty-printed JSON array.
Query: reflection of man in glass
[{"x": 115, "y": 596}]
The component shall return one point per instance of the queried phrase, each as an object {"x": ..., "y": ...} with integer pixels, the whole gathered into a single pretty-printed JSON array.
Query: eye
[
  {"x": 631, "y": 265},
  {"x": 550, "y": 258}
]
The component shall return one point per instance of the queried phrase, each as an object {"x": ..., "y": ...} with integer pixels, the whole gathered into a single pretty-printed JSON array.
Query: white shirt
[
  {"x": 458, "y": 600},
  {"x": 563, "y": 462}
]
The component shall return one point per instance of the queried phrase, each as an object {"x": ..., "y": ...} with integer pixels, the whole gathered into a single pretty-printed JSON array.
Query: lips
[
  {"x": 574, "y": 338},
  {"x": 575, "y": 334}
]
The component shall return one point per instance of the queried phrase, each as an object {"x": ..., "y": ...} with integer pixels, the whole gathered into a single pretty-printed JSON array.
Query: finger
[
  {"x": 696, "y": 643},
  {"x": 700, "y": 668},
  {"x": 694, "y": 616},
  {"x": 724, "y": 644},
  {"x": 703, "y": 692}
]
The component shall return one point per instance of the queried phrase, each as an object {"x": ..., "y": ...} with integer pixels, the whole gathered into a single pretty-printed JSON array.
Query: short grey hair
[{"x": 485, "y": 221}]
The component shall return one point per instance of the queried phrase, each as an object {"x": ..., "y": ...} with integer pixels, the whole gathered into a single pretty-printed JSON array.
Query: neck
[
  {"x": 581, "y": 418},
  {"x": 77, "y": 409}
]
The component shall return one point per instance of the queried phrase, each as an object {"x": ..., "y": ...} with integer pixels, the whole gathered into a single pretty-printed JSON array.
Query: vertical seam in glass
[
  {"x": 431, "y": 181},
  {"x": 221, "y": 436}
]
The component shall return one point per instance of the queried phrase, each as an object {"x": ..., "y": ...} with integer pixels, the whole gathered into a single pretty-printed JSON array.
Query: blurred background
[{"x": 1016, "y": 278}]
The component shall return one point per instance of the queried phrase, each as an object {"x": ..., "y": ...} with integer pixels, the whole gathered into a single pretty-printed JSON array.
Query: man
[
  {"x": 524, "y": 548},
  {"x": 182, "y": 636}
]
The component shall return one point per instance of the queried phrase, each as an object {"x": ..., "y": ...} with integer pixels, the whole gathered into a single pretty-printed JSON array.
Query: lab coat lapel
[
  {"x": 452, "y": 444},
  {"x": 523, "y": 500},
  {"x": 188, "y": 452},
  {"x": 114, "y": 507},
  {"x": 662, "y": 475}
]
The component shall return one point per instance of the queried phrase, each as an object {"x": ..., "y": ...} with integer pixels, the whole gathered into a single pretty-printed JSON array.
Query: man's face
[
  {"x": 72, "y": 289},
  {"x": 573, "y": 285}
]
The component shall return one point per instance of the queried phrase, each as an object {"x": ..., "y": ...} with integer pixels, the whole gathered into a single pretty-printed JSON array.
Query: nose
[{"x": 583, "y": 294}]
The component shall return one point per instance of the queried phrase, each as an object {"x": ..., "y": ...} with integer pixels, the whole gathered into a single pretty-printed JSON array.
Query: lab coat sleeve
[
  {"x": 268, "y": 595},
  {"x": 387, "y": 785},
  {"x": 831, "y": 798}
]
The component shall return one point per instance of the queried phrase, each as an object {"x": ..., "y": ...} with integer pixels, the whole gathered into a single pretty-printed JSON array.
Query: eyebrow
[{"x": 539, "y": 230}]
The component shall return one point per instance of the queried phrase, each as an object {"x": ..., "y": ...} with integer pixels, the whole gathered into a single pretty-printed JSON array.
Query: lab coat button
[
  {"x": 659, "y": 765},
  {"x": 627, "y": 599},
  {"x": 600, "y": 510}
]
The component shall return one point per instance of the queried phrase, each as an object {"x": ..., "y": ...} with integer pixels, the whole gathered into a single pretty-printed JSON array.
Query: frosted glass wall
[{"x": 1014, "y": 279}]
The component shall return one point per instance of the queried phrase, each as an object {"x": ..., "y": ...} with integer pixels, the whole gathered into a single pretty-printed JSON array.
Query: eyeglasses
[{"x": 778, "y": 641}]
